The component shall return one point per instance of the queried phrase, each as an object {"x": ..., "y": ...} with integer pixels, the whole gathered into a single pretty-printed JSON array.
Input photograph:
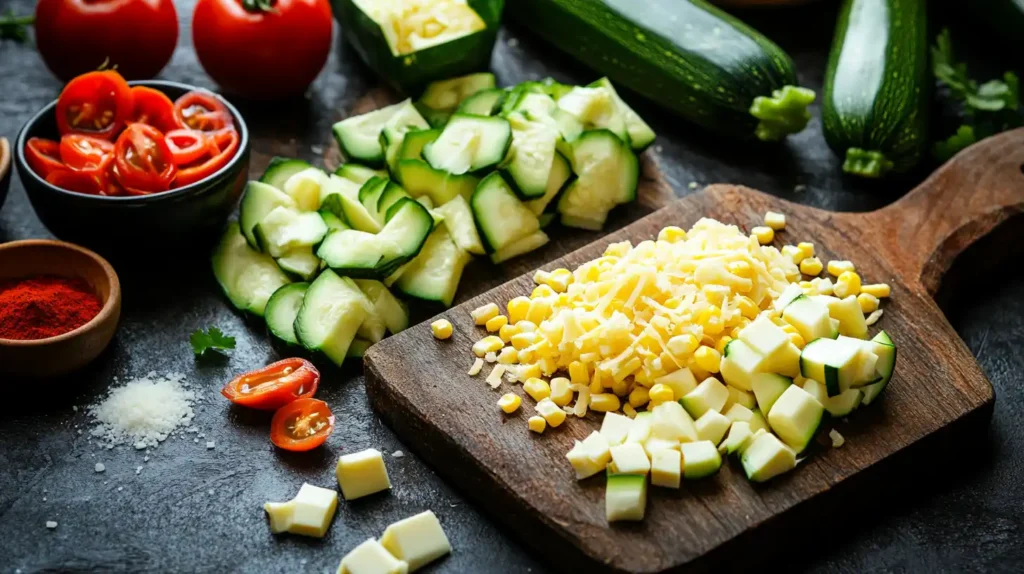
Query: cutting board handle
[{"x": 961, "y": 202}]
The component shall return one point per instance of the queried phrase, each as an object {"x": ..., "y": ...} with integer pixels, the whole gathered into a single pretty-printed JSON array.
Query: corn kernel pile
[
  {"x": 628, "y": 328},
  {"x": 417, "y": 24}
]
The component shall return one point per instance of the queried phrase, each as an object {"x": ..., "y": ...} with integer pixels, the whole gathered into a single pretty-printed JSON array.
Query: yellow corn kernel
[
  {"x": 797, "y": 340},
  {"x": 764, "y": 235},
  {"x": 707, "y": 359},
  {"x": 661, "y": 393},
  {"x": 847, "y": 284},
  {"x": 490, "y": 344},
  {"x": 639, "y": 396},
  {"x": 596, "y": 386},
  {"x": 811, "y": 266},
  {"x": 517, "y": 309},
  {"x": 541, "y": 277},
  {"x": 747, "y": 307},
  {"x": 837, "y": 268},
  {"x": 735, "y": 333},
  {"x": 722, "y": 343},
  {"x": 508, "y": 356},
  {"x": 620, "y": 388},
  {"x": 560, "y": 279},
  {"x": 696, "y": 369},
  {"x": 561, "y": 391},
  {"x": 541, "y": 291},
  {"x": 879, "y": 290},
  {"x": 807, "y": 248},
  {"x": 539, "y": 310},
  {"x": 671, "y": 234},
  {"x": 496, "y": 323},
  {"x": 481, "y": 315},
  {"x": 537, "y": 389},
  {"x": 774, "y": 220},
  {"x": 578, "y": 374},
  {"x": 537, "y": 424},
  {"x": 525, "y": 326},
  {"x": 442, "y": 329},
  {"x": 510, "y": 403},
  {"x": 708, "y": 314},
  {"x": 793, "y": 252},
  {"x": 507, "y": 331},
  {"x": 789, "y": 329},
  {"x": 604, "y": 402},
  {"x": 868, "y": 302},
  {"x": 741, "y": 269},
  {"x": 629, "y": 411},
  {"x": 682, "y": 345},
  {"x": 527, "y": 372},
  {"x": 523, "y": 340}
]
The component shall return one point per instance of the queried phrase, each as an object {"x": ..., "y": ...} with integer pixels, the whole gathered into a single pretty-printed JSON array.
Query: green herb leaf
[
  {"x": 992, "y": 96},
  {"x": 259, "y": 6},
  {"x": 210, "y": 340},
  {"x": 963, "y": 138},
  {"x": 15, "y": 27}
]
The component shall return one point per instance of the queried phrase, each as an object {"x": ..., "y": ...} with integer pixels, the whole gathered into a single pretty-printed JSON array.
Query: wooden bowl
[
  {"x": 73, "y": 350},
  {"x": 5, "y": 169}
]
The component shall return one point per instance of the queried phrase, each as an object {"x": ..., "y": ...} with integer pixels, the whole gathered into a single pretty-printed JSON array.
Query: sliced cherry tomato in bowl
[
  {"x": 96, "y": 104},
  {"x": 302, "y": 425},
  {"x": 144, "y": 161},
  {"x": 91, "y": 180},
  {"x": 201, "y": 111},
  {"x": 43, "y": 156},
  {"x": 83, "y": 152},
  {"x": 191, "y": 174},
  {"x": 187, "y": 146},
  {"x": 153, "y": 107},
  {"x": 273, "y": 386}
]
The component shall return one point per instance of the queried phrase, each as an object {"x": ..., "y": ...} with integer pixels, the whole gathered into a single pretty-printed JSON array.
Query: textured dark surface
[{"x": 197, "y": 510}]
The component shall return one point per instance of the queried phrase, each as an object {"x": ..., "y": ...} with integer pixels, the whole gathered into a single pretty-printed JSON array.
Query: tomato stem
[
  {"x": 15, "y": 27},
  {"x": 259, "y": 6}
]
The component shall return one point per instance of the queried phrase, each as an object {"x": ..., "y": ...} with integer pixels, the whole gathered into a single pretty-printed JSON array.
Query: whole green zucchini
[
  {"x": 877, "y": 86},
  {"x": 687, "y": 55},
  {"x": 411, "y": 71}
]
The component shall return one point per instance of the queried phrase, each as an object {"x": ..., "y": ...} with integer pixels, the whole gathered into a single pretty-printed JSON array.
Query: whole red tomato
[
  {"x": 262, "y": 49},
  {"x": 77, "y": 36}
]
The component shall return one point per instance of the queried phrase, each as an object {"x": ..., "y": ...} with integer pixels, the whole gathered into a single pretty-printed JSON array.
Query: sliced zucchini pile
[{"x": 518, "y": 158}]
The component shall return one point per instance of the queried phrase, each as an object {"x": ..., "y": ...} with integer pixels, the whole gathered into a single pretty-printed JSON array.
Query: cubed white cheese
[
  {"x": 371, "y": 558},
  {"x": 309, "y": 513},
  {"x": 417, "y": 540},
  {"x": 362, "y": 473}
]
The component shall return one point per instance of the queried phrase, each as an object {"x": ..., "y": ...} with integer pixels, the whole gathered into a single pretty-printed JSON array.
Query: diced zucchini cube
[
  {"x": 763, "y": 336},
  {"x": 831, "y": 362},
  {"x": 666, "y": 468},
  {"x": 810, "y": 318},
  {"x": 740, "y": 363},
  {"x": 851, "y": 319},
  {"x": 615, "y": 428},
  {"x": 795, "y": 417},
  {"x": 709, "y": 395},
  {"x": 700, "y": 459},
  {"x": 712, "y": 426},
  {"x": 671, "y": 422},
  {"x": 766, "y": 457},
  {"x": 630, "y": 459},
  {"x": 768, "y": 387},
  {"x": 739, "y": 437},
  {"x": 625, "y": 497}
]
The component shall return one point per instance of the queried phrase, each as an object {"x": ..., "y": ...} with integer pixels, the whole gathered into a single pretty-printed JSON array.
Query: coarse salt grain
[
  {"x": 143, "y": 412},
  {"x": 51, "y": 524}
]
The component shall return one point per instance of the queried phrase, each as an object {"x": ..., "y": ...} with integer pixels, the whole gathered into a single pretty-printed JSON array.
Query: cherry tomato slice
[
  {"x": 83, "y": 152},
  {"x": 143, "y": 159},
  {"x": 43, "y": 156},
  {"x": 273, "y": 386},
  {"x": 92, "y": 180},
  {"x": 96, "y": 104},
  {"x": 201, "y": 111},
  {"x": 153, "y": 107},
  {"x": 192, "y": 174},
  {"x": 301, "y": 425},
  {"x": 187, "y": 146}
]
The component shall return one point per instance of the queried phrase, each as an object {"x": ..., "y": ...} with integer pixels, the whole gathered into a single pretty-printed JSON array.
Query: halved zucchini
[
  {"x": 469, "y": 144},
  {"x": 363, "y": 255},
  {"x": 607, "y": 175},
  {"x": 282, "y": 309},
  {"x": 359, "y": 136},
  {"x": 259, "y": 200},
  {"x": 280, "y": 169},
  {"x": 500, "y": 217},
  {"x": 246, "y": 276},
  {"x": 434, "y": 275},
  {"x": 332, "y": 311}
]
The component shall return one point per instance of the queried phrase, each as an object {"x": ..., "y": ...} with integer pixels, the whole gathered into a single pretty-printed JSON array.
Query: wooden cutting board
[{"x": 419, "y": 386}]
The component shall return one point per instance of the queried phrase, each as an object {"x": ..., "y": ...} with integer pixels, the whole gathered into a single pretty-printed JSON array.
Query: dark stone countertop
[{"x": 196, "y": 510}]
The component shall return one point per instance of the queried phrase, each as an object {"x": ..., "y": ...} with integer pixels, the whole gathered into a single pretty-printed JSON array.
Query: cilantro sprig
[
  {"x": 213, "y": 340},
  {"x": 986, "y": 109},
  {"x": 13, "y": 27}
]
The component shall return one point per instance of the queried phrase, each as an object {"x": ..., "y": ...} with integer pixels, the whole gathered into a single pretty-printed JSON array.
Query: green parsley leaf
[
  {"x": 211, "y": 340},
  {"x": 992, "y": 96},
  {"x": 15, "y": 27},
  {"x": 963, "y": 137}
]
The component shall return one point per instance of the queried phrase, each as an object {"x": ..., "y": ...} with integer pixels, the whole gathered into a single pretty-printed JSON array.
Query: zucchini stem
[
  {"x": 784, "y": 113},
  {"x": 866, "y": 163}
]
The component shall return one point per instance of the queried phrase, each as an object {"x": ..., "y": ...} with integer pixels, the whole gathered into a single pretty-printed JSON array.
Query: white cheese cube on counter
[
  {"x": 309, "y": 513},
  {"x": 418, "y": 540},
  {"x": 371, "y": 558},
  {"x": 362, "y": 473}
]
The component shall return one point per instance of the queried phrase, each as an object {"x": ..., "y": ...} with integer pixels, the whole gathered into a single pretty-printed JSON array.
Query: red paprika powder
[{"x": 45, "y": 306}]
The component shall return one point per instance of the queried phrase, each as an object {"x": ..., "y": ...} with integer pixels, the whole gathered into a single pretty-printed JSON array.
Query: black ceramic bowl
[
  {"x": 189, "y": 215},
  {"x": 5, "y": 169}
]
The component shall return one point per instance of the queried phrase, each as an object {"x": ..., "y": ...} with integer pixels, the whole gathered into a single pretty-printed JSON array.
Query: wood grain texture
[{"x": 419, "y": 387}]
